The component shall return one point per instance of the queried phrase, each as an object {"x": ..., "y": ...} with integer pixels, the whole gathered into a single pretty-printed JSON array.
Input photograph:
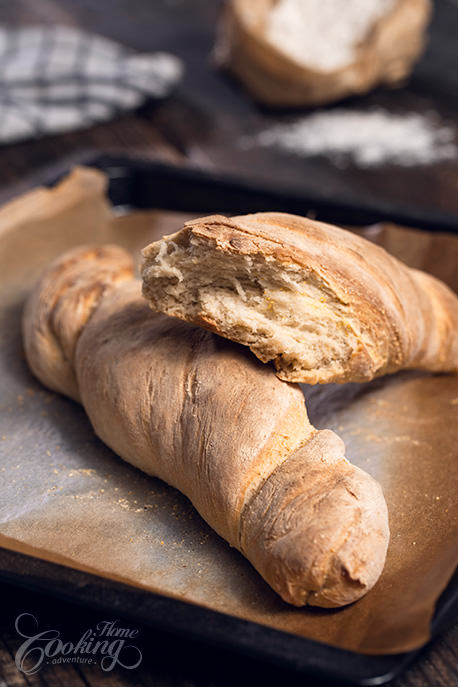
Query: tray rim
[{"x": 205, "y": 625}]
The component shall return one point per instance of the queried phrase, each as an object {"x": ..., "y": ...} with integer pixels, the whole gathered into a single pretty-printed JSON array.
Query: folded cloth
[{"x": 57, "y": 79}]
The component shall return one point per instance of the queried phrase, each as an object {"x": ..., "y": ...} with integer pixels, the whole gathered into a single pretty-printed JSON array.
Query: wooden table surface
[{"x": 198, "y": 125}]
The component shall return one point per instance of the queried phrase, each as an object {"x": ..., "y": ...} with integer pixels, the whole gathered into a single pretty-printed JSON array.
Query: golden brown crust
[
  {"x": 275, "y": 79},
  {"x": 404, "y": 318},
  {"x": 61, "y": 305},
  {"x": 204, "y": 415},
  {"x": 307, "y": 565}
]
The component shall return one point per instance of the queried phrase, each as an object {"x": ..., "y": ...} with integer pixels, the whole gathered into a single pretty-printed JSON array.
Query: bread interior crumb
[{"x": 278, "y": 310}]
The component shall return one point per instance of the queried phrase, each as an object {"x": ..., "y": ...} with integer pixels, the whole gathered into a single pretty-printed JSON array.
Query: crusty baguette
[
  {"x": 204, "y": 415},
  {"x": 323, "y": 303}
]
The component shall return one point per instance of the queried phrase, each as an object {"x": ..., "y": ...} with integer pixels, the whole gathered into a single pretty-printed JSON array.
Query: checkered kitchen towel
[{"x": 57, "y": 79}]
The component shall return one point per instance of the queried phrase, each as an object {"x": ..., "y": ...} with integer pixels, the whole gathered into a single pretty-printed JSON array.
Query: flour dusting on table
[{"x": 367, "y": 138}]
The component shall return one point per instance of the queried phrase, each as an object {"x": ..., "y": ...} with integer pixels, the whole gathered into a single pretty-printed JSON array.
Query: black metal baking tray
[
  {"x": 140, "y": 184},
  {"x": 143, "y": 184}
]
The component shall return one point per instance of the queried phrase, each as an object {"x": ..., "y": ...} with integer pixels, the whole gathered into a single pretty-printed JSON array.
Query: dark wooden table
[{"x": 199, "y": 125}]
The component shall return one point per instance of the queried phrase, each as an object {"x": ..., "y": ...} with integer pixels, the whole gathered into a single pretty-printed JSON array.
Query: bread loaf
[
  {"x": 204, "y": 415},
  {"x": 322, "y": 303},
  {"x": 263, "y": 59}
]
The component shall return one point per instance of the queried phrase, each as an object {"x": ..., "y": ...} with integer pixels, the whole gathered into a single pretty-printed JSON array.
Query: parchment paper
[{"x": 67, "y": 498}]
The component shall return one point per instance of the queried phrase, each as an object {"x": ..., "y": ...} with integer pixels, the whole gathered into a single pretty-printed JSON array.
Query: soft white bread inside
[{"x": 274, "y": 309}]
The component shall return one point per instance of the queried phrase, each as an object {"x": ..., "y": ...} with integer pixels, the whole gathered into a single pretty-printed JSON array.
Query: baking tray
[{"x": 139, "y": 184}]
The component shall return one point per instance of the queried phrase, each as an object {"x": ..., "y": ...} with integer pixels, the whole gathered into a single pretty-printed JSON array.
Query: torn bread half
[{"x": 322, "y": 303}]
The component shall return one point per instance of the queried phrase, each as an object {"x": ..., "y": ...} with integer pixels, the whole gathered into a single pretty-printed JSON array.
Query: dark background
[
  {"x": 200, "y": 125},
  {"x": 206, "y": 117}
]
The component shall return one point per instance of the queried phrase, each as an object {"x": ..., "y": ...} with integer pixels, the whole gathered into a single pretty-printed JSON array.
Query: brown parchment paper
[{"x": 67, "y": 498}]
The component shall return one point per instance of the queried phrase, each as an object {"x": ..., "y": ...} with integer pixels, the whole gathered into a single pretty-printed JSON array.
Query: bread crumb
[
  {"x": 373, "y": 437},
  {"x": 87, "y": 472}
]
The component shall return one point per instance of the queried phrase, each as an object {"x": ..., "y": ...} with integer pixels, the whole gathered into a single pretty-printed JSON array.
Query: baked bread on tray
[
  {"x": 204, "y": 415},
  {"x": 322, "y": 303}
]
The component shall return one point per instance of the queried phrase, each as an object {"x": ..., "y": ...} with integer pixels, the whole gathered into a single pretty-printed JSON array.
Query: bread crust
[{"x": 74, "y": 283}]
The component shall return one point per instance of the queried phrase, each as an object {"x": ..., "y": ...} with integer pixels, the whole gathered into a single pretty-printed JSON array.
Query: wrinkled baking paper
[{"x": 65, "y": 497}]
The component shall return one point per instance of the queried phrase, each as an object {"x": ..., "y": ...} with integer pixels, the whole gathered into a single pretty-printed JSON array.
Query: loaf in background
[{"x": 274, "y": 77}]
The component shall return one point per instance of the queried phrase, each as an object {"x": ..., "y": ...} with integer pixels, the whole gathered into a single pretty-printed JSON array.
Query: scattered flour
[
  {"x": 323, "y": 34},
  {"x": 369, "y": 138}
]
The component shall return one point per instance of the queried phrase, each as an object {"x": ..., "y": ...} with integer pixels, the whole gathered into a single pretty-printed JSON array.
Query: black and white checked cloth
[{"x": 57, "y": 79}]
